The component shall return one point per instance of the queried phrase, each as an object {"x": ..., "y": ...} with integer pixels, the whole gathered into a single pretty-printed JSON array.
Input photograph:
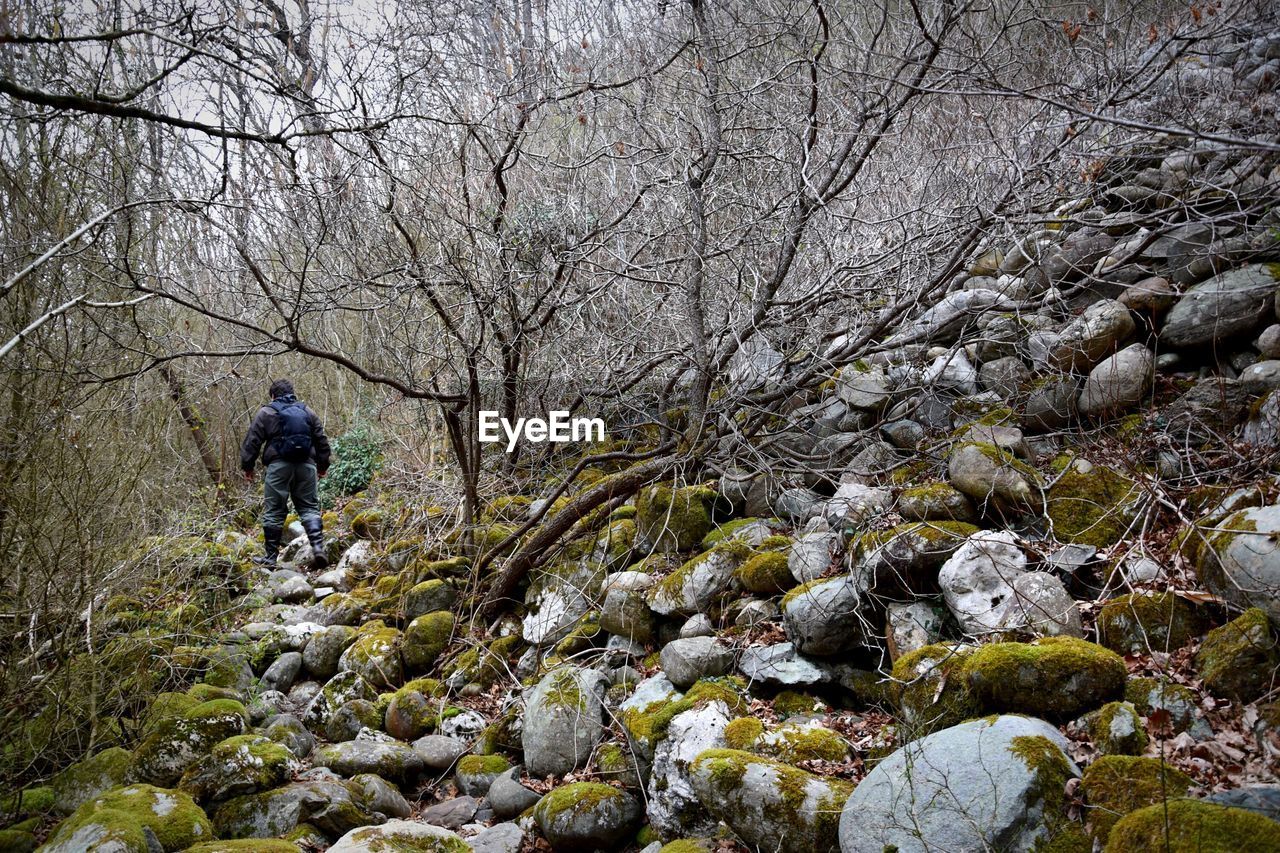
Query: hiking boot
[
  {"x": 271, "y": 542},
  {"x": 315, "y": 535}
]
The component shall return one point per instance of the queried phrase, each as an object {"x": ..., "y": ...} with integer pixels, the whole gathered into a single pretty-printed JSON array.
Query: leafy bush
[{"x": 357, "y": 456}]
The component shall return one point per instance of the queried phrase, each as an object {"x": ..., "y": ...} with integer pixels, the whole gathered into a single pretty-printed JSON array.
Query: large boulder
[
  {"x": 558, "y": 597},
  {"x": 563, "y": 721},
  {"x": 1096, "y": 333},
  {"x": 331, "y": 807},
  {"x": 239, "y": 765},
  {"x": 400, "y": 835},
  {"x": 1054, "y": 677},
  {"x": 1092, "y": 504},
  {"x": 133, "y": 819},
  {"x": 822, "y": 617},
  {"x": 689, "y": 659},
  {"x": 1116, "y": 785},
  {"x": 375, "y": 655},
  {"x": 1118, "y": 383},
  {"x": 1228, "y": 304},
  {"x": 978, "y": 579},
  {"x": 83, "y": 781},
  {"x": 1148, "y": 621},
  {"x": 389, "y": 759},
  {"x": 670, "y": 519},
  {"x": 1194, "y": 826},
  {"x": 586, "y": 816},
  {"x": 768, "y": 804},
  {"x": 991, "y": 784},
  {"x": 178, "y": 742},
  {"x": 325, "y": 648},
  {"x": 1241, "y": 659},
  {"x": 1239, "y": 558},
  {"x": 699, "y": 583},
  {"x": 993, "y": 478},
  {"x": 674, "y": 808}
]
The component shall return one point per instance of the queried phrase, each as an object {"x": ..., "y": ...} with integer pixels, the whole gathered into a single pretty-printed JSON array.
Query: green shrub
[{"x": 357, "y": 456}]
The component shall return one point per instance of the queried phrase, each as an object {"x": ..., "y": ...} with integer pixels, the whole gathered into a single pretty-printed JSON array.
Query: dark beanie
[{"x": 281, "y": 388}]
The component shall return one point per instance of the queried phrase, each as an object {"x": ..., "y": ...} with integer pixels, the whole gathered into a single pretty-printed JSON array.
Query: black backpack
[{"x": 293, "y": 444}]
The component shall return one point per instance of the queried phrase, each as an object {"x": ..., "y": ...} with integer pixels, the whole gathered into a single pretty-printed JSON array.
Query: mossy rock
[
  {"x": 585, "y": 816},
  {"x": 793, "y": 743},
  {"x": 507, "y": 509},
  {"x": 14, "y": 840},
  {"x": 670, "y": 519},
  {"x": 425, "y": 639},
  {"x": 1092, "y": 505},
  {"x": 1116, "y": 729},
  {"x": 742, "y": 733},
  {"x": 86, "y": 779},
  {"x": 410, "y": 713},
  {"x": 1056, "y": 678},
  {"x": 239, "y": 765},
  {"x": 1193, "y": 826},
  {"x": 485, "y": 665},
  {"x": 128, "y": 812},
  {"x": 768, "y": 804},
  {"x": 766, "y": 574},
  {"x": 1239, "y": 659},
  {"x": 34, "y": 800},
  {"x": 1148, "y": 621},
  {"x": 789, "y": 703},
  {"x": 930, "y": 689},
  {"x": 1150, "y": 695},
  {"x": 375, "y": 655},
  {"x": 1115, "y": 785},
  {"x": 247, "y": 845},
  {"x": 178, "y": 742},
  {"x": 369, "y": 524},
  {"x": 935, "y": 502}
]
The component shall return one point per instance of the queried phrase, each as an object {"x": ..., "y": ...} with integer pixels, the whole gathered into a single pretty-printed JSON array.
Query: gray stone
[
  {"x": 563, "y": 721},
  {"x": 823, "y": 618},
  {"x": 978, "y": 579},
  {"x": 398, "y": 835},
  {"x": 797, "y": 504},
  {"x": 1268, "y": 342},
  {"x": 1263, "y": 799},
  {"x": 780, "y": 664},
  {"x": 321, "y": 655},
  {"x": 872, "y": 463},
  {"x": 755, "y": 612},
  {"x": 381, "y": 796},
  {"x": 1091, "y": 337},
  {"x": 947, "y": 320},
  {"x": 963, "y": 788},
  {"x": 389, "y": 759},
  {"x": 855, "y": 503},
  {"x": 1153, "y": 295},
  {"x": 1227, "y": 304},
  {"x": 350, "y": 719},
  {"x": 911, "y": 626},
  {"x": 557, "y": 598},
  {"x": 865, "y": 390},
  {"x": 291, "y": 733},
  {"x": 1244, "y": 567},
  {"x": 1261, "y": 377},
  {"x": 972, "y": 470},
  {"x": 327, "y": 804},
  {"x": 626, "y": 613},
  {"x": 282, "y": 672},
  {"x": 428, "y": 597},
  {"x": 452, "y": 814},
  {"x": 904, "y": 434},
  {"x": 508, "y": 797},
  {"x": 501, "y": 838},
  {"x": 1050, "y": 403},
  {"x": 952, "y": 372},
  {"x": 685, "y": 661},
  {"x": 439, "y": 752},
  {"x": 674, "y": 808},
  {"x": 1006, "y": 376},
  {"x": 935, "y": 502},
  {"x": 698, "y": 625},
  {"x": 600, "y": 817},
  {"x": 810, "y": 554},
  {"x": 1118, "y": 383},
  {"x": 770, "y": 805},
  {"x": 702, "y": 580},
  {"x": 1039, "y": 604}
]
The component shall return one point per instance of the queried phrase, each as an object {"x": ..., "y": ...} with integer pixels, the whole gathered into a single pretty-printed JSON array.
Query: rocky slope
[{"x": 1009, "y": 583}]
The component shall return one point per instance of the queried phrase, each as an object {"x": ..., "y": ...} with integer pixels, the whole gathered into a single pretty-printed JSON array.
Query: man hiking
[{"x": 295, "y": 453}]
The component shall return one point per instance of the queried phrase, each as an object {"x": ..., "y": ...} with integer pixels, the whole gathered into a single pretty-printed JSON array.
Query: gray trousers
[{"x": 285, "y": 480}]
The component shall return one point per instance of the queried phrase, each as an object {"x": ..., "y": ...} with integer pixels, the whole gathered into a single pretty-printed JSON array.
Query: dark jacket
[{"x": 266, "y": 428}]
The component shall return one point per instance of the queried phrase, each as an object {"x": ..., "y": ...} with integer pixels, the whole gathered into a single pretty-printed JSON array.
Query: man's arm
[
  {"x": 253, "y": 442},
  {"x": 320, "y": 442}
]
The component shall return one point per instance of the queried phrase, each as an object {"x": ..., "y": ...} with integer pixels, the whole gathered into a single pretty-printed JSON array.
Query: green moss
[
  {"x": 673, "y": 519},
  {"x": 1149, "y": 695},
  {"x": 794, "y": 744},
  {"x": 246, "y": 845},
  {"x": 766, "y": 573},
  {"x": 577, "y": 798},
  {"x": 172, "y": 816},
  {"x": 671, "y": 587},
  {"x": 1159, "y": 621},
  {"x": 425, "y": 639},
  {"x": 930, "y": 689},
  {"x": 1051, "y": 771},
  {"x": 725, "y": 531},
  {"x": 1115, "y": 785},
  {"x": 789, "y": 703},
  {"x": 1193, "y": 826},
  {"x": 1091, "y": 508},
  {"x": 583, "y": 636},
  {"x": 797, "y": 591},
  {"x": 369, "y": 524},
  {"x": 483, "y": 765},
  {"x": 689, "y": 845},
  {"x": 1054, "y": 677},
  {"x": 35, "y": 800},
  {"x": 1116, "y": 729},
  {"x": 613, "y": 758},
  {"x": 507, "y": 509},
  {"x": 743, "y": 732},
  {"x": 1239, "y": 659}
]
